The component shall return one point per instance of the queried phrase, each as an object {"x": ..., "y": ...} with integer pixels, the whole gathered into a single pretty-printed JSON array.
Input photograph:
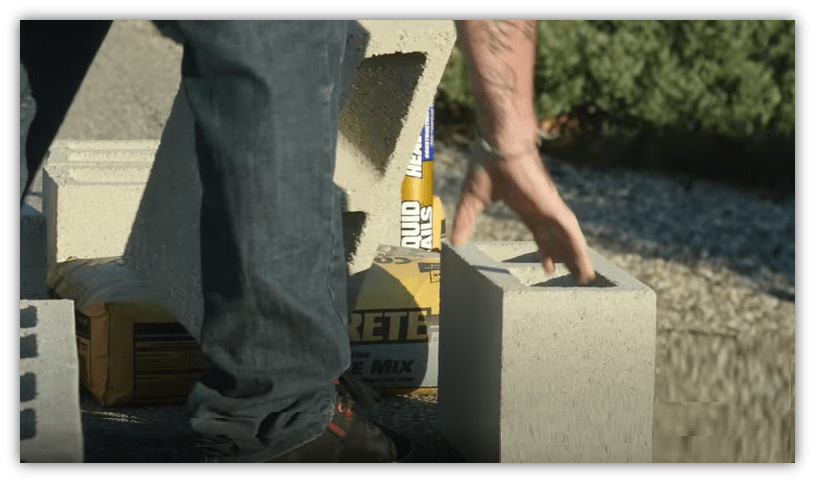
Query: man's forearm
[{"x": 500, "y": 56}]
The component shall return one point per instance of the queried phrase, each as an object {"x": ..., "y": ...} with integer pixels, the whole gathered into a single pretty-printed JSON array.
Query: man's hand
[
  {"x": 500, "y": 57},
  {"x": 523, "y": 184}
]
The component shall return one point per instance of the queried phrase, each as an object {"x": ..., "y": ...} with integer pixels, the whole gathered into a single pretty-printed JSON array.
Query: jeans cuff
[{"x": 219, "y": 449}]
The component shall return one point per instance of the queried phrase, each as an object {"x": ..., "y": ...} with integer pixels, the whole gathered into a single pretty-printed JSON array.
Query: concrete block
[
  {"x": 32, "y": 254},
  {"x": 50, "y": 418},
  {"x": 394, "y": 69},
  {"x": 395, "y": 82},
  {"x": 534, "y": 367},
  {"x": 91, "y": 192}
]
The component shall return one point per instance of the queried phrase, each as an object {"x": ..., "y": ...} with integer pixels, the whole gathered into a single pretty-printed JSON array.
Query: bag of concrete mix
[
  {"x": 395, "y": 323},
  {"x": 131, "y": 348}
]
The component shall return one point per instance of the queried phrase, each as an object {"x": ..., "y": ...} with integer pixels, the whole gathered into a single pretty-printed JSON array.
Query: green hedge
[{"x": 725, "y": 78}]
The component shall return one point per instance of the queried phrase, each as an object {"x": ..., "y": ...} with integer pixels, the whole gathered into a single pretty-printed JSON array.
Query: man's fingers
[
  {"x": 548, "y": 264},
  {"x": 579, "y": 263},
  {"x": 582, "y": 269},
  {"x": 584, "y": 273},
  {"x": 563, "y": 244}
]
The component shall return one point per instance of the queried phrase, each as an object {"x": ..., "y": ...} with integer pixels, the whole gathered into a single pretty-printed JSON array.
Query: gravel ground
[{"x": 722, "y": 263}]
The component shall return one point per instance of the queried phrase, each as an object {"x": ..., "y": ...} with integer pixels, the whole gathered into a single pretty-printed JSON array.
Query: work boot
[{"x": 348, "y": 438}]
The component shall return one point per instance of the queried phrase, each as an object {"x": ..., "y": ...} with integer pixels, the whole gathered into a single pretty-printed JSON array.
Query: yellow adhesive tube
[{"x": 416, "y": 213}]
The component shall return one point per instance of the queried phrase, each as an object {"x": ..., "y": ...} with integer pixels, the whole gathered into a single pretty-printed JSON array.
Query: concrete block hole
[
  {"x": 28, "y": 346},
  {"x": 373, "y": 115},
  {"x": 527, "y": 269},
  {"x": 28, "y": 317},
  {"x": 28, "y": 428},
  {"x": 28, "y": 386}
]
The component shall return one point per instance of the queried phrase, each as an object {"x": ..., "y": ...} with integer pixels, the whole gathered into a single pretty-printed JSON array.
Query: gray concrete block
[
  {"x": 534, "y": 367},
  {"x": 91, "y": 192},
  {"x": 50, "y": 418},
  {"x": 33, "y": 267}
]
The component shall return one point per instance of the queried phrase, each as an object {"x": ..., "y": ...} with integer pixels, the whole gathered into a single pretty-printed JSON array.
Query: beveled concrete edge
[
  {"x": 65, "y": 145},
  {"x": 65, "y": 174}
]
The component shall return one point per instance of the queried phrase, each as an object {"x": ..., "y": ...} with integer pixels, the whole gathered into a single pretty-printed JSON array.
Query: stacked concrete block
[
  {"x": 50, "y": 422},
  {"x": 537, "y": 368},
  {"x": 91, "y": 192},
  {"x": 394, "y": 69}
]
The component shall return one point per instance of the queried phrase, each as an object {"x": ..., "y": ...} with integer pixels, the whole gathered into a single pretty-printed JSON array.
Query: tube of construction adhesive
[{"x": 417, "y": 192}]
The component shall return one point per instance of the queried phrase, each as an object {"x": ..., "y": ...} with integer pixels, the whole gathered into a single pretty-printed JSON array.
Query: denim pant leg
[
  {"x": 28, "y": 108},
  {"x": 54, "y": 57},
  {"x": 264, "y": 99}
]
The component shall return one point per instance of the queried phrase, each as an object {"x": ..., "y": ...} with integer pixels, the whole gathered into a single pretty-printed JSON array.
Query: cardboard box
[
  {"x": 131, "y": 348},
  {"x": 395, "y": 323}
]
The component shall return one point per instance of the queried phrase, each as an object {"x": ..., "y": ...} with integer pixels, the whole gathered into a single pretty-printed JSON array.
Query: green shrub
[{"x": 729, "y": 78}]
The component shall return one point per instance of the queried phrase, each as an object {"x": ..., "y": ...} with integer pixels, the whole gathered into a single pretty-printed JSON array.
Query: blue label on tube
[{"x": 427, "y": 136}]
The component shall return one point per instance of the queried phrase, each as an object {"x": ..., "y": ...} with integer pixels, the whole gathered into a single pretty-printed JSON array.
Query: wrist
[{"x": 515, "y": 140}]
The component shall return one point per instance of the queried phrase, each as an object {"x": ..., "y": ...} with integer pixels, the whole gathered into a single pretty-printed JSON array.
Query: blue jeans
[{"x": 265, "y": 99}]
